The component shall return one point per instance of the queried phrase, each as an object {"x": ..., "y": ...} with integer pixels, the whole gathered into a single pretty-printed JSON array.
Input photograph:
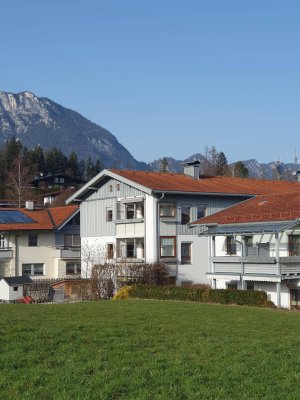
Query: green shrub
[{"x": 200, "y": 294}]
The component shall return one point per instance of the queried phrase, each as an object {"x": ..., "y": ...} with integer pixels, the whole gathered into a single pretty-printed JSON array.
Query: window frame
[
  {"x": 174, "y": 246},
  {"x": 292, "y": 244},
  {"x": 76, "y": 271},
  {"x": 230, "y": 244},
  {"x": 186, "y": 260},
  {"x": 189, "y": 207},
  {"x": 109, "y": 251},
  {"x": 33, "y": 240},
  {"x": 73, "y": 236},
  {"x": 161, "y": 206},
  {"x": 204, "y": 206},
  {"x": 32, "y": 267},
  {"x": 109, "y": 214}
]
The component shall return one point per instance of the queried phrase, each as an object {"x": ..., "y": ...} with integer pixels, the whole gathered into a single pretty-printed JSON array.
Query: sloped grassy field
[{"x": 148, "y": 350}]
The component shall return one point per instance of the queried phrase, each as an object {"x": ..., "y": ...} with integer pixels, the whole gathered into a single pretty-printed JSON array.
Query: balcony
[
  {"x": 5, "y": 253},
  {"x": 67, "y": 252}
]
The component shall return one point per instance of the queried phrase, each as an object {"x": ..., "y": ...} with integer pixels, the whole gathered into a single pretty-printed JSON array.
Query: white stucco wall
[{"x": 196, "y": 271}]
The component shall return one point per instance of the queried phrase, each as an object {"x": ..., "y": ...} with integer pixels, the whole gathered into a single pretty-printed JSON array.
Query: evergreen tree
[
  {"x": 164, "y": 165},
  {"x": 73, "y": 165},
  {"x": 240, "y": 171},
  {"x": 221, "y": 164}
]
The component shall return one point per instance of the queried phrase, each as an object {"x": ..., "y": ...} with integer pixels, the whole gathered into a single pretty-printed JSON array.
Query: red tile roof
[
  {"x": 207, "y": 184},
  {"x": 282, "y": 207},
  {"x": 44, "y": 219}
]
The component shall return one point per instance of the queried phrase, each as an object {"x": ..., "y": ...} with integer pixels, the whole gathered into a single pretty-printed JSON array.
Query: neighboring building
[
  {"x": 256, "y": 245},
  {"x": 42, "y": 243},
  {"x": 137, "y": 216},
  {"x": 56, "y": 180},
  {"x": 12, "y": 288}
]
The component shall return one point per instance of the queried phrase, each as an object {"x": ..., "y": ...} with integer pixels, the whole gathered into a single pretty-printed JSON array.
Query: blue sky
[{"x": 166, "y": 77}]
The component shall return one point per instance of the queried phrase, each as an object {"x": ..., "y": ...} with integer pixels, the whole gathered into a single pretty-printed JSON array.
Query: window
[
  {"x": 167, "y": 210},
  {"x": 186, "y": 253},
  {"x": 250, "y": 285},
  {"x": 185, "y": 214},
  {"x": 73, "y": 268},
  {"x": 129, "y": 211},
  {"x": 230, "y": 246},
  {"x": 32, "y": 240},
  {"x": 109, "y": 251},
  {"x": 130, "y": 253},
  {"x": 294, "y": 245},
  {"x": 2, "y": 242},
  {"x": 109, "y": 214},
  {"x": 15, "y": 288},
  {"x": 32, "y": 269},
  {"x": 201, "y": 210},
  {"x": 110, "y": 188},
  {"x": 251, "y": 250},
  {"x": 117, "y": 186},
  {"x": 61, "y": 180},
  {"x": 130, "y": 248},
  {"x": 167, "y": 246},
  {"x": 72, "y": 240},
  {"x": 134, "y": 211}
]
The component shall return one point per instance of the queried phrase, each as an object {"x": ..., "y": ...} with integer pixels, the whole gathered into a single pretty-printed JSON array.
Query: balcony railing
[
  {"x": 256, "y": 265},
  {"x": 6, "y": 253},
  {"x": 67, "y": 252}
]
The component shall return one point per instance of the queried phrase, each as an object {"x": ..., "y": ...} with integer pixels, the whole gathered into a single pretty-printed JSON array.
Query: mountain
[
  {"x": 175, "y": 165},
  {"x": 39, "y": 120},
  {"x": 269, "y": 170}
]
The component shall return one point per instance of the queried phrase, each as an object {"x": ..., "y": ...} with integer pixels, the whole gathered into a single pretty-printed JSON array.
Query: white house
[
  {"x": 12, "y": 288},
  {"x": 146, "y": 216},
  {"x": 41, "y": 243},
  {"x": 256, "y": 245}
]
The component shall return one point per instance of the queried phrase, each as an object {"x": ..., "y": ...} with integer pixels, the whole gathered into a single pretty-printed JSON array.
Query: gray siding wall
[
  {"x": 213, "y": 204},
  {"x": 93, "y": 210}
]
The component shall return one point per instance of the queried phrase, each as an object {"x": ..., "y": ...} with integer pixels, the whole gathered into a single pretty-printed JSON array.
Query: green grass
[{"x": 148, "y": 350}]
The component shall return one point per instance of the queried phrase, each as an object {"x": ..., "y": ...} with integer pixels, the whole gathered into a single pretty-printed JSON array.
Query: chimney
[
  {"x": 29, "y": 205},
  {"x": 192, "y": 168}
]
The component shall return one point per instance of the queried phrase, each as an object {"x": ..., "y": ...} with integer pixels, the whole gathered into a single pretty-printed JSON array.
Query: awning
[
  {"x": 240, "y": 229},
  {"x": 265, "y": 278},
  {"x": 211, "y": 275},
  {"x": 133, "y": 200}
]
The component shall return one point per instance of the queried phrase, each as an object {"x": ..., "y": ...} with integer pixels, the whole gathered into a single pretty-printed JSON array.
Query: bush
[
  {"x": 123, "y": 293},
  {"x": 107, "y": 278},
  {"x": 201, "y": 294}
]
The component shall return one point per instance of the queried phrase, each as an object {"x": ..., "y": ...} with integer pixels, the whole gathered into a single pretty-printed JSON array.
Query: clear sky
[{"x": 166, "y": 77}]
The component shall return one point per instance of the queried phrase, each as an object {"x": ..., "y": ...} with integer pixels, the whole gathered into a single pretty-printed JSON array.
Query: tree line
[
  {"x": 214, "y": 164},
  {"x": 19, "y": 166}
]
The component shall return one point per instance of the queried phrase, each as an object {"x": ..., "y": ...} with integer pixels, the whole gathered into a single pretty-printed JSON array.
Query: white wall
[
  {"x": 93, "y": 251},
  {"x": 196, "y": 271},
  {"x": 7, "y": 293},
  {"x": 151, "y": 230}
]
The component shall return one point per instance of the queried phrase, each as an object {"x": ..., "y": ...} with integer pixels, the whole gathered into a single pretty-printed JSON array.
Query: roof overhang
[
  {"x": 250, "y": 228},
  {"x": 98, "y": 181}
]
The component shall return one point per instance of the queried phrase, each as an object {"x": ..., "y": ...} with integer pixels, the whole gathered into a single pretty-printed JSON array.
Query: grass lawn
[{"x": 148, "y": 350}]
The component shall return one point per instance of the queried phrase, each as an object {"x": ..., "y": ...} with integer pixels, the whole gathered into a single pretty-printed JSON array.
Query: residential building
[
  {"x": 136, "y": 216},
  {"x": 41, "y": 243},
  {"x": 256, "y": 245}
]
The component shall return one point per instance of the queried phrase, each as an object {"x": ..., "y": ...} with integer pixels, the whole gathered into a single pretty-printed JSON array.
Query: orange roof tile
[
  {"x": 281, "y": 207},
  {"x": 43, "y": 219},
  {"x": 207, "y": 184}
]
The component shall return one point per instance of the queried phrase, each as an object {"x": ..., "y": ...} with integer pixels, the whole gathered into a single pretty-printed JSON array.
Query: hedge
[{"x": 222, "y": 296}]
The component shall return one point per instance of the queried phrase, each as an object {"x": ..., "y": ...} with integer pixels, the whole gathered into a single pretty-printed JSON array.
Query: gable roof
[
  {"x": 280, "y": 207},
  {"x": 17, "y": 280},
  {"x": 44, "y": 219},
  {"x": 152, "y": 182}
]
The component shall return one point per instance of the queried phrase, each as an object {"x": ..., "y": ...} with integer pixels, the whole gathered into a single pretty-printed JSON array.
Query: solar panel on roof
[{"x": 14, "y": 217}]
